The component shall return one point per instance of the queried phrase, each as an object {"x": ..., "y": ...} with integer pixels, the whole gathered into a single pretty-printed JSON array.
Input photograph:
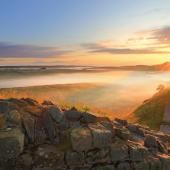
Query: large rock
[
  {"x": 24, "y": 162},
  {"x": 165, "y": 161},
  {"x": 122, "y": 133},
  {"x": 81, "y": 139},
  {"x": 150, "y": 141},
  {"x": 162, "y": 147},
  {"x": 88, "y": 118},
  {"x": 102, "y": 137},
  {"x": 104, "y": 167},
  {"x": 119, "y": 152},
  {"x": 14, "y": 118},
  {"x": 73, "y": 114},
  {"x": 11, "y": 144},
  {"x": 136, "y": 129},
  {"x": 30, "y": 101},
  {"x": 3, "y": 123},
  {"x": 155, "y": 163},
  {"x": 47, "y": 102},
  {"x": 48, "y": 157},
  {"x": 141, "y": 166},
  {"x": 74, "y": 159},
  {"x": 98, "y": 156},
  {"x": 122, "y": 122},
  {"x": 39, "y": 131},
  {"x": 107, "y": 124},
  {"x": 55, "y": 113},
  {"x": 153, "y": 143},
  {"x": 138, "y": 153},
  {"x": 4, "y": 107},
  {"x": 124, "y": 166},
  {"x": 50, "y": 128},
  {"x": 29, "y": 126}
]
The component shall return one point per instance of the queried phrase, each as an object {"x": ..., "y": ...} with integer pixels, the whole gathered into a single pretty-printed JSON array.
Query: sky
[{"x": 84, "y": 32}]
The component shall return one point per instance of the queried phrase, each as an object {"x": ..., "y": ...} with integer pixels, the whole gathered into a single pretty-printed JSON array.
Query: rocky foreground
[{"x": 37, "y": 136}]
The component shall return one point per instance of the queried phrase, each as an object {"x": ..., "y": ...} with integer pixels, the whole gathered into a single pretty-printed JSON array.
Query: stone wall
[{"x": 37, "y": 136}]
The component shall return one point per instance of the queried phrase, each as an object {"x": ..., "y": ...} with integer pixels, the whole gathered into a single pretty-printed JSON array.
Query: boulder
[
  {"x": 150, "y": 141},
  {"x": 24, "y": 161},
  {"x": 3, "y": 123},
  {"x": 165, "y": 161},
  {"x": 122, "y": 122},
  {"x": 28, "y": 122},
  {"x": 153, "y": 143},
  {"x": 119, "y": 152},
  {"x": 73, "y": 114},
  {"x": 104, "y": 167},
  {"x": 122, "y": 133},
  {"x": 161, "y": 147},
  {"x": 124, "y": 166},
  {"x": 137, "y": 153},
  {"x": 155, "y": 163},
  {"x": 55, "y": 112},
  {"x": 47, "y": 102},
  {"x": 30, "y": 101},
  {"x": 102, "y": 137},
  {"x": 136, "y": 129},
  {"x": 34, "y": 110},
  {"x": 74, "y": 159},
  {"x": 141, "y": 166},
  {"x": 39, "y": 131},
  {"x": 98, "y": 156},
  {"x": 4, "y": 107},
  {"x": 106, "y": 123},
  {"x": 50, "y": 128},
  {"x": 64, "y": 124},
  {"x": 74, "y": 124},
  {"x": 14, "y": 118},
  {"x": 81, "y": 139},
  {"x": 48, "y": 157},
  {"x": 88, "y": 118},
  {"x": 11, "y": 144}
]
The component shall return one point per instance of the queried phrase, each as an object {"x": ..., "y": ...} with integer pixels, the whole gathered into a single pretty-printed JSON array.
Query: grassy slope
[{"x": 151, "y": 111}]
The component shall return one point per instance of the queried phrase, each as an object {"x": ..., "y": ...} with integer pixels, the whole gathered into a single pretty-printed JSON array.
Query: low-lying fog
[{"x": 107, "y": 91}]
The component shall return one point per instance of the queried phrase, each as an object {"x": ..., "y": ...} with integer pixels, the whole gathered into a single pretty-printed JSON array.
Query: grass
[{"x": 151, "y": 112}]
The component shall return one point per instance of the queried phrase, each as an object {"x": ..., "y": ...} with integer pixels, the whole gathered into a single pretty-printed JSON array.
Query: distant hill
[
  {"x": 159, "y": 67},
  {"x": 163, "y": 67},
  {"x": 151, "y": 111},
  {"x": 76, "y": 68}
]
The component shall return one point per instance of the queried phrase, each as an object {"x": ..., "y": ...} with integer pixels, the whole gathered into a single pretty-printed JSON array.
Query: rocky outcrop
[
  {"x": 165, "y": 125},
  {"x": 37, "y": 136}
]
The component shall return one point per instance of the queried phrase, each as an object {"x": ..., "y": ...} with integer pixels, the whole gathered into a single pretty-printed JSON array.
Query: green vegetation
[{"x": 151, "y": 112}]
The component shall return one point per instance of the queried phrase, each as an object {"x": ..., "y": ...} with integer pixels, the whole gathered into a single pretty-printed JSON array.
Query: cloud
[
  {"x": 154, "y": 36},
  {"x": 8, "y": 50},
  {"x": 151, "y": 41},
  {"x": 161, "y": 35},
  {"x": 97, "y": 48}
]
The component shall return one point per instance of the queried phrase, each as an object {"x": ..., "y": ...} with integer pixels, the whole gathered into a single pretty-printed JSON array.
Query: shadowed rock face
[{"x": 43, "y": 137}]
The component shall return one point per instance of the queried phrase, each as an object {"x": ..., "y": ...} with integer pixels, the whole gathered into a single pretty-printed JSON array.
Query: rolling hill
[{"x": 151, "y": 112}]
